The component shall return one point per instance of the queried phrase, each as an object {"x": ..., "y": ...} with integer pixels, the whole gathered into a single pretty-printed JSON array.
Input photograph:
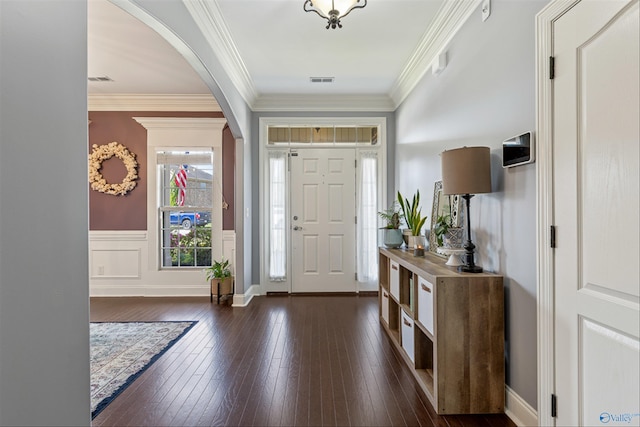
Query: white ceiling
[
  {"x": 137, "y": 58},
  {"x": 279, "y": 48}
]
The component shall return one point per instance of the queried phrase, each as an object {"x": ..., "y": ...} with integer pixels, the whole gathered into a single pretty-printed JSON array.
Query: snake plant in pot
[{"x": 412, "y": 214}]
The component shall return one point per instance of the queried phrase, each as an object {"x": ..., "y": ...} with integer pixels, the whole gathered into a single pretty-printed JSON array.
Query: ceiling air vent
[
  {"x": 100, "y": 79},
  {"x": 321, "y": 79}
]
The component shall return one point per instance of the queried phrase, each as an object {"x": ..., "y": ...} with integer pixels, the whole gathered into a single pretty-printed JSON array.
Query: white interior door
[
  {"x": 596, "y": 212},
  {"x": 323, "y": 232}
]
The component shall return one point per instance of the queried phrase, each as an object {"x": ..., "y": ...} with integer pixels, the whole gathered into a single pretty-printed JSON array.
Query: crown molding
[
  {"x": 324, "y": 103},
  {"x": 447, "y": 22},
  {"x": 181, "y": 122},
  {"x": 208, "y": 17},
  {"x": 140, "y": 102}
]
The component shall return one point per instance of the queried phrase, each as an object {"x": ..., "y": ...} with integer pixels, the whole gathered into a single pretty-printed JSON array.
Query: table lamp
[{"x": 467, "y": 171}]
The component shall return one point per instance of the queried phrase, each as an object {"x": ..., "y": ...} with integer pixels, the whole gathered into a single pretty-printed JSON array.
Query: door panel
[
  {"x": 610, "y": 362},
  {"x": 310, "y": 194},
  {"x": 323, "y": 236},
  {"x": 596, "y": 180}
]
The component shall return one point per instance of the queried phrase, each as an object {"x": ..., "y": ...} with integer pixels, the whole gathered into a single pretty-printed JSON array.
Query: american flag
[{"x": 181, "y": 182}]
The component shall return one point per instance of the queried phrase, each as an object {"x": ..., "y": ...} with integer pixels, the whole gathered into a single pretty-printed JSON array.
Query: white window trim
[
  {"x": 169, "y": 134},
  {"x": 265, "y": 284}
]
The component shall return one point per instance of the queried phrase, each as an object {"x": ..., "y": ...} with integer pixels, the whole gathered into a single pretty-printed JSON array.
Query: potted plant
[
  {"x": 447, "y": 235},
  {"x": 221, "y": 279},
  {"x": 391, "y": 234},
  {"x": 412, "y": 214}
]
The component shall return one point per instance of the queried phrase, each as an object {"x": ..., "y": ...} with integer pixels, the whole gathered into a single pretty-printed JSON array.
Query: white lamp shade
[{"x": 466, "y": 170}]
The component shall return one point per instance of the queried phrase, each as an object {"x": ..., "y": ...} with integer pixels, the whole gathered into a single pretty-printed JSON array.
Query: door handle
[{"x": 296, "y": 228}]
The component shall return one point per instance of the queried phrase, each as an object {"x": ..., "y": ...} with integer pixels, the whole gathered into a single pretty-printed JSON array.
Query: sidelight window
[{"x": 277, "y": 215}]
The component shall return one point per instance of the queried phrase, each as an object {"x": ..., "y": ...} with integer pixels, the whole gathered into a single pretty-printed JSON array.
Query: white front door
[
  {"x": 323, "y": 232},
  {"x": 596, "y": 212}
]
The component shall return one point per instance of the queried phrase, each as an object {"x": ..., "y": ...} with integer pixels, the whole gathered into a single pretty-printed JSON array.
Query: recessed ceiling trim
[
  {"x": 208, "y": 17},
  {"x": 378, "y": 103},
  {"x": 129, "y": 102},
  {"x": 447, "y": 22}
]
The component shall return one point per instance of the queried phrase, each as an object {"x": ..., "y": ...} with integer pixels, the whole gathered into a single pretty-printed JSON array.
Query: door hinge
[
  {"x": 356, "y": 276},
  {"x": 355, "y": 163},
  {"x": 552, "y": 236},
  {"x": 356, "y": 219},
  {"x": 554, "y": 406},
  {"x": 552, "y": 67}
]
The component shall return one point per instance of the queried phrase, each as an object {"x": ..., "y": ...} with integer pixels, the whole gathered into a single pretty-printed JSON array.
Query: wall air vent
[
  {"x": 100, "y": 79},
  {"x": 321, "y": 79}
]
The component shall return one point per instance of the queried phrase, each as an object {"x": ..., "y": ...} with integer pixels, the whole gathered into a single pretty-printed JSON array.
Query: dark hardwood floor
[{"x": 283, "y": 360}]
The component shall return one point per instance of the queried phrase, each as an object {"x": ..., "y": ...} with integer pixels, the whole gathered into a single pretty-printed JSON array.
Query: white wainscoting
[{"x": 119, "y": 266}]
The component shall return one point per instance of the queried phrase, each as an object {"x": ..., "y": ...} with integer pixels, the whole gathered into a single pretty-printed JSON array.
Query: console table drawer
[
  {"x": 408, "y": 335},
  {"x": 425, "y": 304},
  {"x": 394, "y": 279},
  {"x": 385, "y": 306}
]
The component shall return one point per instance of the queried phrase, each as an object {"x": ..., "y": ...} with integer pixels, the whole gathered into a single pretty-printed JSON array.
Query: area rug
[{"x": 122, "y": 351}]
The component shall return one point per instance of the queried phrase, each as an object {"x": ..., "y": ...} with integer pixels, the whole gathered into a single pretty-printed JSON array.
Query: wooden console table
[{"x": 449, "y": 329}]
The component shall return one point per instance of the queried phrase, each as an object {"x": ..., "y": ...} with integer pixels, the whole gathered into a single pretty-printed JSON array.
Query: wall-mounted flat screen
[{"x": 518, "y": 150}]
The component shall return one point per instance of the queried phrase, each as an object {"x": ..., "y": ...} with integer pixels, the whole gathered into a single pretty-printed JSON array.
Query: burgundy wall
[
  {"x": 129, "y": 212},
  {"x": 228, "y": 177}
]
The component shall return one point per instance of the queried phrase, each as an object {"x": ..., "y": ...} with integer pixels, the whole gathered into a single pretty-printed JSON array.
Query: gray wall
[
  {"x": 44, "y": 286},
  {"x": 485, "y": 95},
  {"x": 255, "y": 163}
]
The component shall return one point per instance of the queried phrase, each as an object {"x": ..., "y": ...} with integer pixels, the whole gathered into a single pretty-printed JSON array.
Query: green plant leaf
[
  {"x": 218, "y": 270},
  {"x": 412, "y": 212}
]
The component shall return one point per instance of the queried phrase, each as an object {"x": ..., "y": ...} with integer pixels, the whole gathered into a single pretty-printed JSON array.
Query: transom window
[
  {"x": 186, "y": 200},
  {"x": 325, "y": 135}
]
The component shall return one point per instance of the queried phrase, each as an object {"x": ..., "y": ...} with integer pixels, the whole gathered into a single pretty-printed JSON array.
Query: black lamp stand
[{"x": 469, "y": 265}]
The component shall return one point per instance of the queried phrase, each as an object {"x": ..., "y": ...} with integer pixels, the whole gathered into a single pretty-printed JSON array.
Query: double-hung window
[{"x": 186, "y": 184}]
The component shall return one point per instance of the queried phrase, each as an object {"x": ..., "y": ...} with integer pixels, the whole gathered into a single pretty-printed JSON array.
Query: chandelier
[{"x": 327, "y": 9}]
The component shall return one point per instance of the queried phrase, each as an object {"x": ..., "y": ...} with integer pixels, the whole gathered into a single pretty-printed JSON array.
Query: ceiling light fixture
[{"x": 327, "y": 9}]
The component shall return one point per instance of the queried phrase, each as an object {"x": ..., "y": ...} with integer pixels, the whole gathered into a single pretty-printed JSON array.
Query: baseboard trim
[
  {"x": 148, "y": 291},
  {"x": 520, "y": 412},
  {"x": 243, "y": 300}
]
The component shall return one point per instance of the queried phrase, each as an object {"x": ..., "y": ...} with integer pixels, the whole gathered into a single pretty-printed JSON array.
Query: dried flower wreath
[{"x": 101, "y": 153}]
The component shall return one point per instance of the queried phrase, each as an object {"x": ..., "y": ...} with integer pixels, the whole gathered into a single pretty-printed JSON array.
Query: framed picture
[{"x": 443, "y": 206}]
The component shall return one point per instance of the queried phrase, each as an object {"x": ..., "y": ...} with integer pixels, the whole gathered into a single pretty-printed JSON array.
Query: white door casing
[
  {"x": 266, "y": 283},
  {"x": 169, "y": 133},
  {"x": 595, "y": 152},
  {"x": 323, "y": 238}
]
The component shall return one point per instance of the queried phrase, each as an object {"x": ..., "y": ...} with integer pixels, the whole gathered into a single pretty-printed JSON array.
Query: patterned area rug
[{"x": 122, "y": 351}]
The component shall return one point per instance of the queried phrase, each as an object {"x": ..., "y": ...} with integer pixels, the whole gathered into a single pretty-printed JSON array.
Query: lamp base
[{"x": 470, "y": 269}]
